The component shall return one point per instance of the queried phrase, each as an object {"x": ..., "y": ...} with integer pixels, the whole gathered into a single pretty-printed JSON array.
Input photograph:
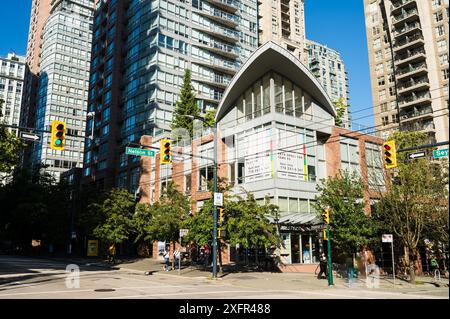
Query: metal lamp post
[{"x": 214, "y": 270}]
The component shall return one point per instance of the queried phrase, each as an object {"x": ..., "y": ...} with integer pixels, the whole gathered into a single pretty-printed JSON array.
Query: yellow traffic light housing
[
  {"x": 389, "y": 154},
  {"x": 324, "y": 231},
  {"x": 326, "y": 216},
  {"x": 58, "y": 135},
  {"x": 165, "y": 154},
  {"x": 221, "y": 216}
]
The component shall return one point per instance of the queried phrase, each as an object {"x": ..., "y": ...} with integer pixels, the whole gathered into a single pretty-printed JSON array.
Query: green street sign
[
  {"x": 139, "y": 152},
  {"x": 440, "y": 153}
]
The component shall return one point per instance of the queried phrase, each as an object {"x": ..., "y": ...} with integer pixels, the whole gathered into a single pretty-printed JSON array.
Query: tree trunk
[{"x": 412, "y": 273}]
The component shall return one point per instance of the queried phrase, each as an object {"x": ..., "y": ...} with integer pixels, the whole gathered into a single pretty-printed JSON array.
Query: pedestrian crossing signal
[{"x": 58, "y": 135}]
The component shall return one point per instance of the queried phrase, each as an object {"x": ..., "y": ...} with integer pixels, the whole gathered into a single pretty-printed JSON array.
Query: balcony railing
[
  {"x": 410, "y": 54},
  {"x": 411, "y": 115},
  {"x": 414, "y": 98},
  {"x": 407, "y": 28},
  {"x": 227, "y": 17},
  {"x": 412, "y": 83},
  {"x": 222, "y": 47},
  {"x": 231, "y": 5},
  {"x": 408, "y": 39},
  {"x": 405, "y": 15},
  {"x": 411, "y": 69}
]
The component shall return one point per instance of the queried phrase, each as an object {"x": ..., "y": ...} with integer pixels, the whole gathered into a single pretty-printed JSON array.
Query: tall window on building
[
  {"x": 349, "y": 155},
  {"x": 374, "y": 167},
  {"x": 206, "y": 170}
]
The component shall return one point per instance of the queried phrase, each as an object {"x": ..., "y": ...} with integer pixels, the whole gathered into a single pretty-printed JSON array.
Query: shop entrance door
[{"x": 295, "y": 248}]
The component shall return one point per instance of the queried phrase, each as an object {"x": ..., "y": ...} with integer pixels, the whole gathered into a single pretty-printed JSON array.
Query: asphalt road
[{"x": 28, "y": 278}]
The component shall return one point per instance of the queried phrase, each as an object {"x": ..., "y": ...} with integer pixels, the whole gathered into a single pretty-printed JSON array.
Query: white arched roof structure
[{"x": 267, "y": 57}]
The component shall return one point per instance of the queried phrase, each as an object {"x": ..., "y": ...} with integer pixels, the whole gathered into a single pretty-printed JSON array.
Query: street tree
[
  {"x": 341, "y": 109},
  {"x": 163, "y": 220},
  {"x": 416, "y": 200},
  {"x": 351, "y": 229},
  {"x": 115, "y": 211},
  {"x": 10, "y": 148},
  {"x": 186, "y": 105}
]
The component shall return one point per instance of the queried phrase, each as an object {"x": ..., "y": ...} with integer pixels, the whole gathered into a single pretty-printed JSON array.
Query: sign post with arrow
[
  {"x": 416, "y": 155},
  {"x": 30, "y": 136}
]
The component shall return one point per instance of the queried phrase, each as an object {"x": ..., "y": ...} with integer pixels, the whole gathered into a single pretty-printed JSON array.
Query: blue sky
[{"x": 339, "y": 24}]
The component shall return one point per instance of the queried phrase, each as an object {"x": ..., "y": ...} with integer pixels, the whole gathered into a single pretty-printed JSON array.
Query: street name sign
[
  {"x": 416, "y": 155},
  {"x": 139, "y": 152},
  {"x": 30, "y": 136},
  {"x": 387, "y": 238},
  {"x": 440, "y": 153},
  {"x": 218, "y": 199}
]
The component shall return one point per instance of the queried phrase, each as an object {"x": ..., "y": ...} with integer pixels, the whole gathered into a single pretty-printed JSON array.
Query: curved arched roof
[{"x": 267, "y": 57}]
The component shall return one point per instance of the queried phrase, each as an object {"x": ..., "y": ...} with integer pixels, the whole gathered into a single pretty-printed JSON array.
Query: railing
[
  {"x": 222, "y": 30},
  {"x": 411, "y": 69},
  {"x": 414, "y": 98},
  {"x": 405, "y": 15},
  {"x": 221, "y": 14},
  {"x": 222, "y": 46},
  {"x": 409, "y": 115},
  {"x": 407, "y": 55},
  {"x": 413, "y": 83},
  {"x": 407, "y": 28},
  {"x": 401, "y": 3},
  {"x": 407, "y": 40}
]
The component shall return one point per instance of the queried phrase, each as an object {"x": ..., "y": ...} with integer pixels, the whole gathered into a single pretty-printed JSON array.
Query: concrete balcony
[
  {"x": 415, "y": 99},
  {"x": 413, "y": 85},
  {"x": 406, "y": 16},
  {"x": 407, "y": 30},
  {"x": 410, "y": 71},
  {"x": 226, "y": 5},
  {"x": 398, "y": 6},
  {"x": 409, "y": 42},
  {"x": 217, "y": 81},
  {"x": 219, "y": 65},
  {"x": 417, "y": 115},
  {"x": 413, "y": 56},
  {"x": 220, "y": 16},
  {"x": 220, "y": 48},
  {"x": 219, "y": 32}
]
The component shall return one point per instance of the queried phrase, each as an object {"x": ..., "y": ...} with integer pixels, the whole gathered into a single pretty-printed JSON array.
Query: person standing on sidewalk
[
  {"x": 167, "y": 259},
  {"x": 176, "y": 258},
  {"x": 112, "y": 253},
  {"x": 323, "y": 266}
]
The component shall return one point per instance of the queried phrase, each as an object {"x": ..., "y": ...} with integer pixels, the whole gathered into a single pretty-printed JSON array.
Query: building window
[
  {"x": 349, "y": 155},
  {"x": 385, "y": 120},
  {"x": 445, "y": 74},
  {"x": 374, "y": 166}
]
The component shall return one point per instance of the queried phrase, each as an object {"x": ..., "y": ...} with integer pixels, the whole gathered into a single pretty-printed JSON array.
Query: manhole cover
[{"x": 104, "y": 290}]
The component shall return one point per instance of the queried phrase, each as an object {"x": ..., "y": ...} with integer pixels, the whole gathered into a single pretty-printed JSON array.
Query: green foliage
[
  {"x": 34, "y": 206},
  {"x": 246, "y": 222},
  {"x": 10, "y": 147},
  {"x": 210, "y": 118},
  {"x": 162, "y": 220},
  {"x": 186, "y": 105},
  {"x": 351, "y": 229},
  {"x": 115, "y": 211},
  {"x": 417, "y": 199},
  {"x": 341, "y": 108}
]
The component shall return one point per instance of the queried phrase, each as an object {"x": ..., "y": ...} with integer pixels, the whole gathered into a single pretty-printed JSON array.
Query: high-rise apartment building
[
  {"x": 12, "y": 70},
  {"x": 40, "y": 11},
  {"x": 283, "y": 22},
  {"x": 140, "y": 52},
  {"x": 64, "y": 82},
  {"x": 408, "y": 44},
  {"x": 328, "y": 67}
]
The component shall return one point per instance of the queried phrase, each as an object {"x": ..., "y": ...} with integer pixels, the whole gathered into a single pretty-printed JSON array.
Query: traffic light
[
  {"x": 324, "y": 231},
  {"x": 389, "y": 154},
  {"x": 58, "y": 135},
  {"x": 326, "y": 216},
  {"x": 165, "y": 154},
  {"x": 221, "y": 216}
]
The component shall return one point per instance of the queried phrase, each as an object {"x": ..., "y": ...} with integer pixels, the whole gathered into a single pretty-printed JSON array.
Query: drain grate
[{"x": 104, "y": 290}]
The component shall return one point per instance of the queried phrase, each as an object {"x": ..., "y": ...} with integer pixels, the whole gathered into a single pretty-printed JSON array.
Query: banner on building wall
[
  {"x": 290, "y": 165},
  {"x": 257, "y": 156}
]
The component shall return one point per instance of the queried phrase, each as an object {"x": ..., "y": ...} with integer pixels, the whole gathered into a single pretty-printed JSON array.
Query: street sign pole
[
  {"x": 330, "y": 265},
  {"x": 393, "y": 262}
]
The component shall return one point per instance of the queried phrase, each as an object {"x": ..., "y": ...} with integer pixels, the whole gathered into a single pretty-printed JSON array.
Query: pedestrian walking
[
  {"x": 207, "y": 252},
  {"x": 176, "y": 257},
  {"x": 112, "y": 253},
  {"x": 166, "y": 259},
  {"x": 323, "y": 266}
]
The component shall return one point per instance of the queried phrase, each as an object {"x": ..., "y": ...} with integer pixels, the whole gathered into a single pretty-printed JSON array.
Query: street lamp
[{"x": 215, "y": 191}]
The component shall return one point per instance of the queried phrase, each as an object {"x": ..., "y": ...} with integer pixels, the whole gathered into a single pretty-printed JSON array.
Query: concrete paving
[{"x": 31, "y": 278}]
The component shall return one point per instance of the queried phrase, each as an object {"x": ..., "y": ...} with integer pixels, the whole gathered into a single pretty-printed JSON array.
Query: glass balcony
[
  {"x": 407, "y": 29},
  {"x": 221, "y": 48},
  {"x": 227, "y": 5},
  {"x": 413, "y": 85},
  {"x": 417, "y": 114},
  {"x": 415, "y": 98},
  {"x": 402, "y": 4},
  {"x": 411, "y": 70},
  {"x": 220, "y": 16},
  {"x": 223, "y": 33}
]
